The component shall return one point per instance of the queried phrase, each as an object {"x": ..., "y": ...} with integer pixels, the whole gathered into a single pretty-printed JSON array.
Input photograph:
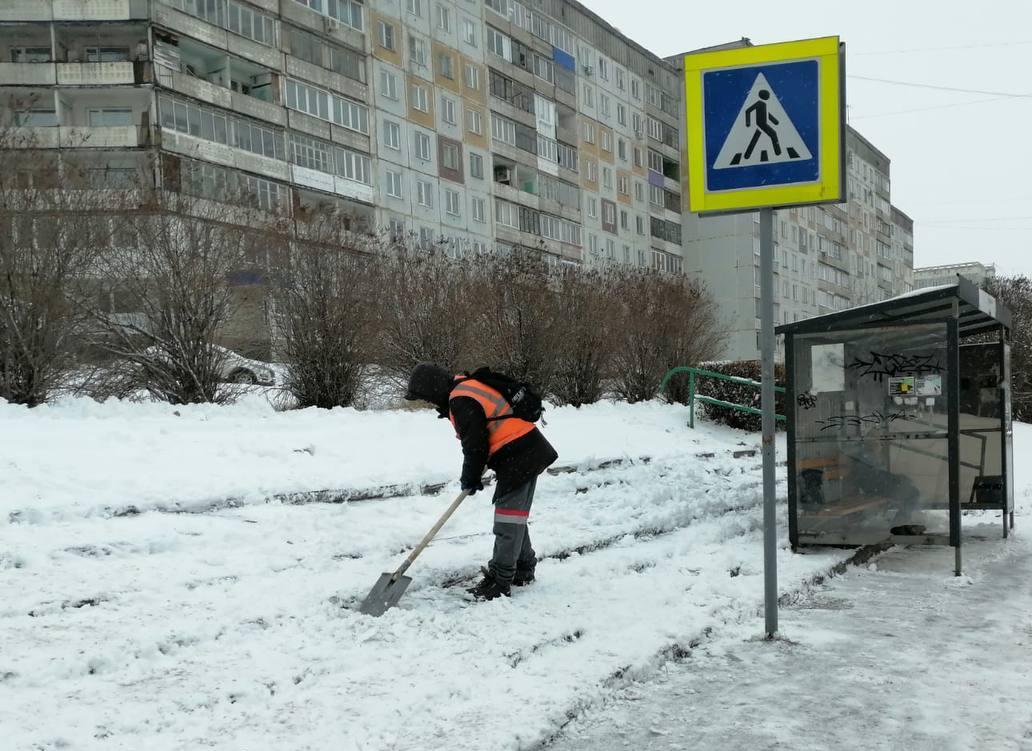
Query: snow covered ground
[{"x": 235, "y": 628}]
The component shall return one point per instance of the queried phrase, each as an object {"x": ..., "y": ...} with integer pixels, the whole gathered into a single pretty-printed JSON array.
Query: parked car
[
  {"x": 239, "y": 369},
  {"x": 234, "y": 367}
]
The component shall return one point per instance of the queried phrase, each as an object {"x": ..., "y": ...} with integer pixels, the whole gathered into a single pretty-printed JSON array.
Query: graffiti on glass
[
  {"x": 875, "y": 418},
  {"x": 881, "y": 366}
]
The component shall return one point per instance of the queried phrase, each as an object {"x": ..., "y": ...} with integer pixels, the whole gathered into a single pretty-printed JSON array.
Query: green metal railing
[{"x": 694, "y": 374}]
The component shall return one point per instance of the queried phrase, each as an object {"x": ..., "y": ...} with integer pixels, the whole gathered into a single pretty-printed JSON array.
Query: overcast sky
[{"x": 961, "y": 162}]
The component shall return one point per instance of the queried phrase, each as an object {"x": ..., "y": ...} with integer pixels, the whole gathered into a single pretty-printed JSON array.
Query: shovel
[{"x": 390, "y": 587}]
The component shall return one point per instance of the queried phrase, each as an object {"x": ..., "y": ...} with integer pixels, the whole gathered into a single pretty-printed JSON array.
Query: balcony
[
  {"x": 26, "y": 10},
  {"x": 96, "y": 74},
  {"x": 198, "y": 148},
  {"x": 75, "y": 137},
  {"x": 27, "y": 74},
  {"x": 99, "y": 10}
]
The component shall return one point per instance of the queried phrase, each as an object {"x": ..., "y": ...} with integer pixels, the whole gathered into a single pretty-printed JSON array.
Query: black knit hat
[{"x": 430, "y": 383}]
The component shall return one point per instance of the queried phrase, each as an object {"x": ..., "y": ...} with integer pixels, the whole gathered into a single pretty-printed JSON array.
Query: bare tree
[
  {"x": 48, "y": 237},
  {"x": 326, "y": 298},
  {"x": 164, "y": 292}
]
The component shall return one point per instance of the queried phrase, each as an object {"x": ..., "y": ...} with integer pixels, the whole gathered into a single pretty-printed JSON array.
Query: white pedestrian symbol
[{"x": 762, "y": 133}]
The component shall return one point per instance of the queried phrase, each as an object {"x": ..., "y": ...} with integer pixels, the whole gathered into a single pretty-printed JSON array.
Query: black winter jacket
[{"x": 514, "y": 464}]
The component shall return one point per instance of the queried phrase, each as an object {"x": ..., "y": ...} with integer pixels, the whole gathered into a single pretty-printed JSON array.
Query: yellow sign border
[{"x": 829, "y": 188}]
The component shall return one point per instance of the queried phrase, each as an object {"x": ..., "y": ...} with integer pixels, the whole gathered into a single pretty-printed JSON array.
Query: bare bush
[
  {"x": 164, "y": 292},
  {"x": 513, "y": 315},
  {"x": 1016, "y": 293},
  {"x": 586, "y": 310},
  {"x": 665, "y": 321},
  {"x": 326, "y": 311},
  {"x": 47, "y": 241},
  {"x": 425, "y": 306}
]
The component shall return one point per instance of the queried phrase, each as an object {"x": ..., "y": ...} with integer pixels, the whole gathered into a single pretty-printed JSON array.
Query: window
[
  {"x": 30, "y": 54},
  {"x": 621, "y": 114},
  {"x": 106, "y": 54},
  {"x": 346, "y": 11},
  {"x": 636, "y": 88},
  {"x": 607, "y": 141},
  {"x": 655, "y": 161},
  {"x": 417, "y": 51},
  {"x": 603, "y": 104},
  {"x": 36, "y": 118},
  {"x": 547, "y": 149},
  {"x": 450, "y": 157},
  {"x": 415, "y": 7},
  {"x": 448, "y": 110},
  {"x": 620, "y": 84},
  {"x": 425, "y": 193},
  {"x": 388, "y": 84},
  {"x": 392, "y": 135},
  {"x": 655, "y": 129},
  {"x": 386, "y": 35},
  {"x": 394, "y": 184},
  {"x": 607, "y": 177},
  {"x": 568, "y": 157},
  {"x": 451, "y": 201},
  {"x": 443, "y": 18},
  {"x": 591, "y": 170},
  {"x": 308, "y": 99},
  {"x": 311, "y": 153},
  {"x": 476, "y": 166},
  {"x": 589, "y": 133},
  {"x": 420, "y": 100},
  {"x": 471, "y": 76},
  {"x": 589, "y": 96},
  {"x": 423, "y": 146},
  {"x": 621, "y": 149},
  {"x": 503, "y": 130},
  {"x": 353, "y": 166},
  {"x": 544, "y": 69},
  {"x": 350, "y": 114},
  {"x": 474, "y": 121},
  {"x": 469, "y": 33},
  {"x": 507, "y": 214},
  {"x": 593, "y": 207},
  {"x": 110, "y": 117},
  {"x": 639, "y": 191},
  {"x": 639, "y": 224},
  {"x": 623, "y": 185},
  {"x": 624, "y": 220},
  {"x": 445, "y": 66},
  {"x": 479, "y": 208},
  {"x": 499, "y": 44}
]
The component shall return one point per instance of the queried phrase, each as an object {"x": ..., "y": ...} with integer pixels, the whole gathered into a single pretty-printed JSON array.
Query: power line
[
  {"x": 926, "y": 109},
  {"x": 940, "y": 49},
  {"x": 1001, "y": 94}
]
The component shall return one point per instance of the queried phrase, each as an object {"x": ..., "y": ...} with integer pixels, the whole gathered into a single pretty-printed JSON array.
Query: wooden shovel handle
[{"x": 429, "y": 536}]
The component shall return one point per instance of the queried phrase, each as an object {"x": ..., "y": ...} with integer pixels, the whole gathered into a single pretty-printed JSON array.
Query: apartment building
[
  {"x": 484, "y": 124},
  {"x": 934, "y": 276},
  {"x": 827, "y": 258}
]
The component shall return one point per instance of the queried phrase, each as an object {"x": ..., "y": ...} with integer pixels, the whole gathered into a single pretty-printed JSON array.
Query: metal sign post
[
  {"x": 770, "y": 534},
  {"x": 766, "y": 130}
]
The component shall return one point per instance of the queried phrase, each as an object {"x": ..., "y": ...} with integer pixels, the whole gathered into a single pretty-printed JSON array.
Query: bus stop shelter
[{"x": 899, "y": 419}]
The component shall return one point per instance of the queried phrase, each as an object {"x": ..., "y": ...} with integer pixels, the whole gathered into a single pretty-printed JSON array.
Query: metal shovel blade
[{"x": 384, "y": 594}]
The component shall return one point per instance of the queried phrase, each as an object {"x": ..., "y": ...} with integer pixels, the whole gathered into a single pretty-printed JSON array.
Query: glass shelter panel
[
  {"x": 982, "y": 426},
  {"x": 871, "y": 434}
]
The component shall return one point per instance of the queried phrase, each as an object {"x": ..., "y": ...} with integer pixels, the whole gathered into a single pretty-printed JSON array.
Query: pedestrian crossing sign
[{"x": 765, "y": 126}]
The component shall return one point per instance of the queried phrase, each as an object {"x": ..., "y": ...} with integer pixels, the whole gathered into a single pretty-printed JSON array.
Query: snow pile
[{"x": 78, "y": 456}]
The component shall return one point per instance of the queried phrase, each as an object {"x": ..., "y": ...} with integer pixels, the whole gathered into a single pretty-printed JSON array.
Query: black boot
[
  {"x": 489, "y": 588},
  {"x": 523, "y": 577}
]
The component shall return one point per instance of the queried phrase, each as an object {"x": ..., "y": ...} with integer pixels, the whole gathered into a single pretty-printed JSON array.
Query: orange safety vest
[{"x": 502, "y": 427}]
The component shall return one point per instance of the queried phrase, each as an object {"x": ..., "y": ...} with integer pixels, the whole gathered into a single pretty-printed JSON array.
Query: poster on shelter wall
[{"x": 828, "y": 372}]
